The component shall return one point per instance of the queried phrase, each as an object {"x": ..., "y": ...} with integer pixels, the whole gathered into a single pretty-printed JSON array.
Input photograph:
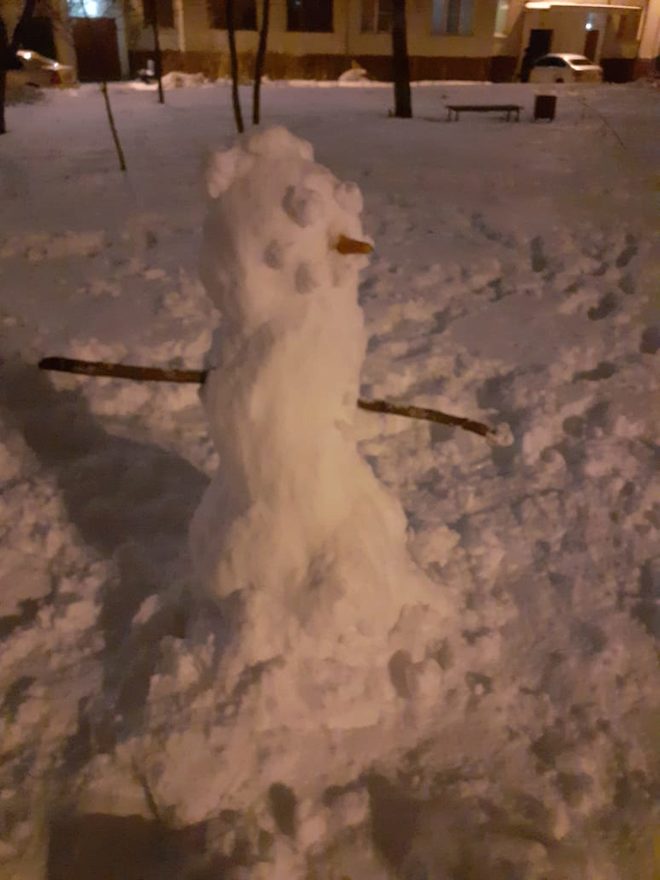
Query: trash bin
[{"x": 545, "y": 107}]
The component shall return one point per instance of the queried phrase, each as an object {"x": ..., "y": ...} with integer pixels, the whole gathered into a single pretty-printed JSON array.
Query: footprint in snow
[
  {"x": 604, "y": 370},
  {"x": 537, "y": 257},
  {"x": 650, "y": 341},
  {"x": 606, "y": 306},
  {"x": 629, "y": 252}
]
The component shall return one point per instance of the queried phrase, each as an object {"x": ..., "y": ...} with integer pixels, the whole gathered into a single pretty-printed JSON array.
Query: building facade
[
  {"x": 447, "y": 39},
  {"x": 622, "y": 36}
]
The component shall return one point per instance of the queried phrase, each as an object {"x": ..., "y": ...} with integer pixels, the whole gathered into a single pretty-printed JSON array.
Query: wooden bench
[{"x": 453, "y": 110}]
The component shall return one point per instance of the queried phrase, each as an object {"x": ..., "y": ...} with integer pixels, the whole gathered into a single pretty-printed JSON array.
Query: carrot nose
[{"x": 345, "y": 245}]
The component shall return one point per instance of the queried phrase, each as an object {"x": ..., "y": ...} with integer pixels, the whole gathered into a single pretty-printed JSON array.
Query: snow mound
[
  {"x": 355, "y": 74},
  {"x": 177, "y": 79}
]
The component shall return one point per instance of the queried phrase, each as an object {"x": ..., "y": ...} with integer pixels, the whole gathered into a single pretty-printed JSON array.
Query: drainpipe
[
  {"x": 122, "y": 43},
  {"x": 180, "y": 26},
  {"x": 642, "y": 22}
]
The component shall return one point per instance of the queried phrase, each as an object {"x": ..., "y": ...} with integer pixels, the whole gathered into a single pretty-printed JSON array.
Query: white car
[
  {"x": 37, "y": 70},
  {"x": 565, "y": 69}
]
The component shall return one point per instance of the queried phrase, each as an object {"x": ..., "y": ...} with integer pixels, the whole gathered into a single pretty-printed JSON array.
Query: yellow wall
[
  {"x": 650, "y": 37},
  {"x": 569, "y": 33},
  {"x": 346, "y": 39},
  {"x": 192, "y": 32}
]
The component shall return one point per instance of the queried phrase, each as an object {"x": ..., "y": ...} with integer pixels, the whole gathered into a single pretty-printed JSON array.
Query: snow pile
[
  {"x": 355, "y": 74},
  {"x": 177, "y": 79}
]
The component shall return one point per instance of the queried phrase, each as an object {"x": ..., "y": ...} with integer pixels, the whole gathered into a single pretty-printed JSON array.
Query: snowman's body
[
  {"x": 321, "y": 662},
  {"x": 295, "y": 523}
]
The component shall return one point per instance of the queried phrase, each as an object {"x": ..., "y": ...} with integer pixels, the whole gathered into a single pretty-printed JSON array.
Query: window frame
[
  {"x": 305, "y": 11},
  {"x": 462, "y": 11},
  {"x": 376, "y": 14},
  {"x": 217, "y": 17}
]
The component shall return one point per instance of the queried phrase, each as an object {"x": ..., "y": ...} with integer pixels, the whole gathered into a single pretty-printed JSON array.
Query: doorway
[
  {"x": 540, "y": 41},
  {"x": 95, "y": 40},
  {"x": 591, "y": 44}
]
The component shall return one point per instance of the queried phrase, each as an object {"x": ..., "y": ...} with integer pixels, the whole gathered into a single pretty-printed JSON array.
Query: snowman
[{"x": 295, "y": 530}]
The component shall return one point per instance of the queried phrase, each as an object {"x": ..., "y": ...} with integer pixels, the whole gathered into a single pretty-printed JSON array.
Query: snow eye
[
  {"x": 349, "y": 197},
  {"x": 302, "y": 205}
]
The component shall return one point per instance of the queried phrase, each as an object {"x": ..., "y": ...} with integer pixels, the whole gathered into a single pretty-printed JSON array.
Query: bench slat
[
  {"x": 484, "y": 107},
  {"x": 457, "y": 109}
]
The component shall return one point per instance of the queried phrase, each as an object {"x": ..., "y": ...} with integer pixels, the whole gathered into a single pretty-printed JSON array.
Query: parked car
[
  {"x": 34, "y": 69},
  {"x": 565, "y": 69}
]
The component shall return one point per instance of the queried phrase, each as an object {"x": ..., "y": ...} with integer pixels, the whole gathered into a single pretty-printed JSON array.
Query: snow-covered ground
[{"x": 513, "y": 281}]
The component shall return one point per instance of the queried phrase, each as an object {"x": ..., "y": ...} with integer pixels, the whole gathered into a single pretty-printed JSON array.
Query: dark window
[
  {"x": 309, "y": 15},
  {"x": 451, "y": 17},
  {"x": 245, "y": 14},
  {"x": 376, "y": 16},
  {"x": 165, "y": 11}
]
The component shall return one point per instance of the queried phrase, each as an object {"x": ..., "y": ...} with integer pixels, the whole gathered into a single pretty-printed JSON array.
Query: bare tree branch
[{"x": 113, "y": 127}]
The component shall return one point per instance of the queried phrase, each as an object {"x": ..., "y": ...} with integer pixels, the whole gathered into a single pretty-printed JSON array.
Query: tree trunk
[
  {"x": 400, "y": 63},
  {"x": 8, "y": 52},
  {"x": 233, "y": 56},
  {"x": 4, "y": 57},
  {"x": 259, "y": 61},
  {"x": 22, "y": 23},
  {"x": 158, "y": 55}
]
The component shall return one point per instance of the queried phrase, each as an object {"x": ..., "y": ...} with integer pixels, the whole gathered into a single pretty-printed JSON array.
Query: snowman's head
[{"x": 281, "y": 230}]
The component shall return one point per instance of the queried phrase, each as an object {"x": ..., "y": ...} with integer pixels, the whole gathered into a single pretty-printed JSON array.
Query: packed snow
[{"x": 260, "y": 633}]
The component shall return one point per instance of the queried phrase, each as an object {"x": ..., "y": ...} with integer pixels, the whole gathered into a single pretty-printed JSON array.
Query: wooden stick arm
[
  {"x": 429, "y": 415},
  {"x": 122, "y": 371},
  {"x": 198, "y": 377}
]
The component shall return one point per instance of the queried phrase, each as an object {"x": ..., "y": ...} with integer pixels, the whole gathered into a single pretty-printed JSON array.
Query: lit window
[
  {"x": 87, "y": 8},
  {"x": 245, "y": 14},
  {"x": 451, "y": 17},
  {"x": 501, "y": 17},
  {"x": 376, "y": 16},
  {"x": 309, "y": 15}
]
